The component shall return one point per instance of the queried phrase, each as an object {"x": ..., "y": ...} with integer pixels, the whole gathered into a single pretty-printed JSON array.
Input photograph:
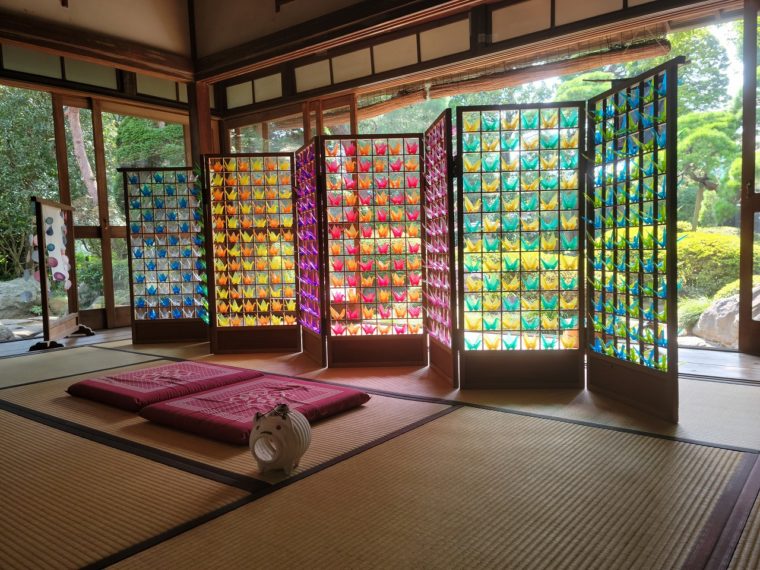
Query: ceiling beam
[
  {"x": 93, "y": 47},
  {"x": 360, "y": 21}
]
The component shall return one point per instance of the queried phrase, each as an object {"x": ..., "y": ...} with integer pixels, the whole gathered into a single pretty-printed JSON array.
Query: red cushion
[
  {"x": 226, "y": 413},
  {"x": 138, "y": 388}
]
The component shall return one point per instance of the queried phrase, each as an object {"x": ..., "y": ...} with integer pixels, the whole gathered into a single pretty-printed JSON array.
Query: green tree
[
  {"x": 583, "y": 86},
  {"x": 703, "y": 83},
  {"x": 721, "y": 208},
  {"x": 28, "y": 168},
  {"x": 412, "y": 119},
  {"x": 707, "y": 144}
]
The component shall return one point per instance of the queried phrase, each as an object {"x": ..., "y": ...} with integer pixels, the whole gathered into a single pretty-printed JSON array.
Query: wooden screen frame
[
  {"x": 313, "y": 344},
  {"x": 640, "y": 386},
  {"x": 520, "y": 368},
  {"x": 376, "y": 350},
  {"x": 160, "y": 330},
  {"x": 444, "y": 359},
  {"x": 68, "y": 324},
  {"x": 227, "y": 340}
]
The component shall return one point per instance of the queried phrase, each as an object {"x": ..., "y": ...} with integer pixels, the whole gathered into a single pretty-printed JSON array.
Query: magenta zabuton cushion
[
  {"x": 136, "y": 389},
  {"x": 226, "y": 414}
]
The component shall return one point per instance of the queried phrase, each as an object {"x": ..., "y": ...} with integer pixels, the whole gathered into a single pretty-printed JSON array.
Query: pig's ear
[{"x": 259, "y": 415}]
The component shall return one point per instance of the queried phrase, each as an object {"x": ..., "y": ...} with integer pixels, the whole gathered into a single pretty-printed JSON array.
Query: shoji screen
[
  {"x": 632, "y": 244},
  {"x": 252, "y": 258},
  {"x": 167, "y": 266},
  {"x": 310, "y": 253},
  {"x": 440, "y": 291},
  {"x": 373, "y": 220},
  {"x": 520, "y": 275}
]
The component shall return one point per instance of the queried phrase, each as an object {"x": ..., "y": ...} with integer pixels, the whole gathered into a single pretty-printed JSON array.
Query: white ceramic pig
[{"x": 279, "y": 439}]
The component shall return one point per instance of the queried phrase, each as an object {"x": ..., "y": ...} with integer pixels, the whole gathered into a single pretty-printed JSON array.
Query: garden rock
[
  {"x": 720, "y": 321},
  {"x": 5, "y": 333},
  {"x": 17, "y": 297}
]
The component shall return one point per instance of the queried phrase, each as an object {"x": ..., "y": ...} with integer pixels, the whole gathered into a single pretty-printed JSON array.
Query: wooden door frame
[
  {"x": 110, "y": 316},
  {"x": 749, "y": 330}
]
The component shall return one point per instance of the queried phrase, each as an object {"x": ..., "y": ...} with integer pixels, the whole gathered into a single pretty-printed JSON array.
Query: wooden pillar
[
  {"x": 201, "y": 137},
  {"x": 353, "y": 114},
  {"x": 101, "y": 178},
  {"x": 320, "y": 122},
  {"x": 265, "y": 136},
  {"x": 306, "y": 123}
]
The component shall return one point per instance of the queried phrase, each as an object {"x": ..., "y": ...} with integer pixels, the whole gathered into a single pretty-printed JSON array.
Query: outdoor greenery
[{"x": 28, "y": 168}]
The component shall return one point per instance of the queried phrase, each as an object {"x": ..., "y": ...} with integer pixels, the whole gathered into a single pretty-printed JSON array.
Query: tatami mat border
[
  {"x": 117, "y": 349},
  {"x": 127, "y": 336},
  {"x": 711, "y": 546},
  {"x": 719, "y": 380},
  {"x": 737, "y": 521},
  {"x": 428, "y": 399}
]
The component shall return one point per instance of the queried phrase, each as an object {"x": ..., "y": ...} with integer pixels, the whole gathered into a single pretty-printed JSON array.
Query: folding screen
[
  {"x": 50, "y": 255},
  {"x": 252, "y": 257},
  {"x": 167, "y": 268},
  {"x": 310, "y": 254},
  {"x": 373, "y": 242},
  {"x": 440, "y": 293},
  {"x": 632, "y": 246},
  {"x": 520, "y": 279}
]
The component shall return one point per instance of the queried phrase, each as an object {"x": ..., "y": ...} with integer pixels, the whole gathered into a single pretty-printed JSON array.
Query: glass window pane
[
  {"x": 28, "y": 168},
  {"x": 246, "y": 139},
  {"x": 89, "y": 263},
  {"x": 286, "y": 134},
  {"x": 282, "y": 135},
  {"x": 120, "y": 271},
  {"x": 137, "y": 142},
  {"x": 81, "y": 159},
  {"x": 337, "y": 121}
]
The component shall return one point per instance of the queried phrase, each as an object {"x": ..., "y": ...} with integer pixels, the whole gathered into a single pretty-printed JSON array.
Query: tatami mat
[
  {"x": 41, "y": 366},
  {"x": 747, "y": 554},
  {"x": 477, "y": 489},
  {"x": 330, "y": 437},
  {"x": 67, "y": 501}
]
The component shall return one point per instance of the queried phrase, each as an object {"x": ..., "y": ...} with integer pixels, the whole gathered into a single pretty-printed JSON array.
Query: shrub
[
  {"x": 733, "y": 288},
  {"x": 683, "y": 226},
  {"x": 707, "y": 262},
  {"x": 689, "y": 311}
]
